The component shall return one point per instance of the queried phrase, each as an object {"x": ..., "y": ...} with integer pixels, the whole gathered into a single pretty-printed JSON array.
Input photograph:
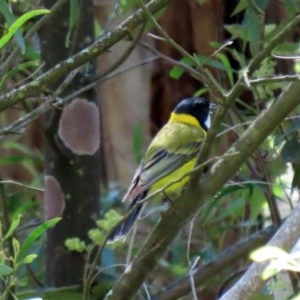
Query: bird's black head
[{"x": 197, "y": 107}]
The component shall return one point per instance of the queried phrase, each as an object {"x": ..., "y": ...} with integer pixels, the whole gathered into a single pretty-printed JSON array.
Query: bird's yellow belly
[{"x": 174, "y": 181}]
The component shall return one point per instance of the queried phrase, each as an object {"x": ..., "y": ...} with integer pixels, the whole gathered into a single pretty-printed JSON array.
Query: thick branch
[
  {"x": 192, "y": 200},
  {"x": 251, "y": 282},
  {"x": 181, "y": 287},
  {"x": 100, "y": 46}
]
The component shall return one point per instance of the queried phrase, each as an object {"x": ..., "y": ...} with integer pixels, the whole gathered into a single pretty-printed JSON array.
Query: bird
[{"x": 171, "y": 154}]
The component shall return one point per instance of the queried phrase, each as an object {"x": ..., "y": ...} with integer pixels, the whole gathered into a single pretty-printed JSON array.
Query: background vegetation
[{"x": 84, "y": 86}]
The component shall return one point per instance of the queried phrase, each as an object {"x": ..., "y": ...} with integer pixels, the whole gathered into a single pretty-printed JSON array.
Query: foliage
[
  {"x": 14, "y": 255},
  {"x": 280, "y": 260},
  {"x": 265, "y": 184},
  {"x": 18, "y": 24}
]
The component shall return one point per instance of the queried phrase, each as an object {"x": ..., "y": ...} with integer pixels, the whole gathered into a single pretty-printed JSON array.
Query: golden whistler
[{"x": 171, "y": 154}]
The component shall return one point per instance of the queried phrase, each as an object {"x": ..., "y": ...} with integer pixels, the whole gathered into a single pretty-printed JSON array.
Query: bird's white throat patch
[{"x": 208, "y": 122}]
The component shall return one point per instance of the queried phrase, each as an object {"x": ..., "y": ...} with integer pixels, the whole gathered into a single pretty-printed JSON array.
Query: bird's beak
[{"x": 212, "y": 107}]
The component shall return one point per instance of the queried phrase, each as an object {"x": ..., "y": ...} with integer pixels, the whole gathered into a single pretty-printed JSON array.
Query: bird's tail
[{"x": 121, "y": 231}]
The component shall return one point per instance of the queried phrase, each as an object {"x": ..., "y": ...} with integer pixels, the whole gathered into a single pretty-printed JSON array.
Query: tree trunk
[{"x": 72, "y": 148}]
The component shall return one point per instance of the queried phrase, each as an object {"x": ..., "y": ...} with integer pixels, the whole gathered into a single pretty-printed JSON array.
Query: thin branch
[
  {"x": 203, "y": 75},
  {"x": 23, "y": 122},
  {"x": 172, "y": 61},
  {"x": 99, "y": 78},
  {"x": 275, "y": 79},
  {"x": 123, "y": 57},
  {"x": 97, "y": 48},
  {"x": 12, "y": 182},
  {"x": 113, "y": 15}
]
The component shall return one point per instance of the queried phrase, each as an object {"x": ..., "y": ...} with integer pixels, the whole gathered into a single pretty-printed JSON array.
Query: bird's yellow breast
[
  {"x": 179, "y": 177},
  {"x": 171, "y": 137}
]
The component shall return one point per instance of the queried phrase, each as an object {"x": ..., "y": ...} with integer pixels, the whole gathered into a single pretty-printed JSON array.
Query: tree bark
[{"x": 72, "y": 171}]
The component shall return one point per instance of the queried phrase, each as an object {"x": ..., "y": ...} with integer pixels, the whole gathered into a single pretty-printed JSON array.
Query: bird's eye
[{"x": 212, "y": 107}]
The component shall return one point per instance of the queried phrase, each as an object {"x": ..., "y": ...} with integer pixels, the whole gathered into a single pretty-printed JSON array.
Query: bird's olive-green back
[{"x": 174, "y": 135}]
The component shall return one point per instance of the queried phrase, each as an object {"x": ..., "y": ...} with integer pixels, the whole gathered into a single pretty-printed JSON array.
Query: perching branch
[{"x": 55, "y": 74}]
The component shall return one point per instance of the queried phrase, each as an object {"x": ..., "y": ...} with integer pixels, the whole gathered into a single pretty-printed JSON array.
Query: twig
[
  {"x": 275, "y": 79},
  {"x": 99, "y": 78},
  {"x": 123, "y": 57},
  {"x": 172, "y": 61},
  {"x": 22, "y": 123},
  {"x": 192, "y": 266},
  {"x": 21, "y": 185},
  {"x": 204, "y": 74},
  {"x": 113, "y": 15}
]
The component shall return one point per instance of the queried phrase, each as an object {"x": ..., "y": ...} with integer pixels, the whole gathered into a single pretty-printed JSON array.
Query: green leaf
[
  {"x": 242, "y": 5},
  {"x": 176, "y": 72},
  {"x": 5, "y": 10},
  {"x": 271, "y": 270},
  {"x": 19, "y": 23},
  {"x": 34, "y": 235},
  {"x": 10, "y": 18},
  {"x": 18, "y": 69},
  {"x": 265, "y": 253},
  {"x": 16, "y": 246},
  {"x": 28, "y": 259},
  {"x": 96, "y": 235},
  {"x": 15, "y": 223},
  {"x": 296, "y": 177},
  {"x": 138, "y": 142},
  {"x": 224, "y": 59},
  {"x": 291, "y": 6},
  {"x": 295, "y": 126},
  {"x": 200, "y": 92},
  {"x": 109, "y": 220},
  {"x": 65, "y": 293},
  {"x": 252, "y": 25},
  {"x": 74, "y": 15},
  {"x": 236, "y": 31},
  {"x": 5, "y": 270},
  {"x": 75, "y": 244},
  {"x": 11, "y": 159},
  {"x": 97, "y": 27},
  {"x": 126, "y": 5},
  {"x": 291, "y": 151},
  {"x": 252, "y": 28},
  {"x": 286, "y": 48}
]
